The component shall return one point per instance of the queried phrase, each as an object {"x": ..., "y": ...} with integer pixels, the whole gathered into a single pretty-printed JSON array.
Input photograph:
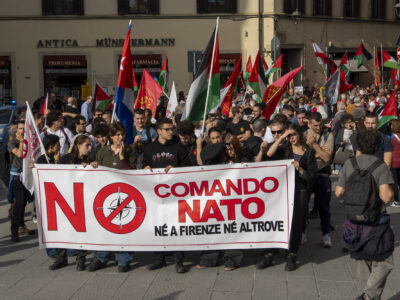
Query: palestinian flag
[
  {"x": 344, "y": 64},
  {"x": 101, "y": 97},
  {"x": 231, "y": 83},
  {"x": 196, "y": 100},
  {"x": 274, "y": 92},
  {"x": 275, "y": 67},
  {"x": 332, "y": 67},
  {"x": 389, "y": 112},
  {"x": 377, "y": 70},
  {"x": 241, "y": 80},
  {"x": 163, "y": 77},
  {"x": 361, "y": 53},
  {"x": 135, "y": 83},
  {"x": 247, "y": 71},
  {"x": 388, "y": 61},
  {"x": 393, "y": 76},
  {"x": 345, "y": 85},
  {"x": 265, "y": 67},
  {"x": 257, "y": 78}
]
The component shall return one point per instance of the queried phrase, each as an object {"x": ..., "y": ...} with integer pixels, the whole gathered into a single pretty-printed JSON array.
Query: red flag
[
  {"x": 241, "y": 80},
  {"x": 148, "y": 94},
  {"x": 393, "y": 76},
  {"x": 377, "y": 70},
  {"x": 274, "y": 92},
  {"x": 45, "y": 104},
  {"x": 345, "y": 85},
  {"x": 232, "y": 81}
]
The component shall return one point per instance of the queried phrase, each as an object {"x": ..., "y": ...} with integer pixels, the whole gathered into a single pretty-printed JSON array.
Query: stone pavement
[{"x": 322, "y": 273}]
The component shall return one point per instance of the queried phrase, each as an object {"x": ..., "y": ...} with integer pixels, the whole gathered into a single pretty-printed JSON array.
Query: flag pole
[
  {"x": 210, "y": 74},
  {"x": 37, "y": 132},
  {"x": 47, "y": 105},
  {"x": 381, "y": 68},
  {"x": 165, "y": 94}
]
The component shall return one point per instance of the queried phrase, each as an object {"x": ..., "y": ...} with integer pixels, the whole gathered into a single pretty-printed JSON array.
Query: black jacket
[
  {"x": 157, "y": 155},
  {"x": 308, "y": 163}
]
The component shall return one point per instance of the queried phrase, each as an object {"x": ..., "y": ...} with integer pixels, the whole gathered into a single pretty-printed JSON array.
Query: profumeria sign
[{"x": 238, "y": 206}]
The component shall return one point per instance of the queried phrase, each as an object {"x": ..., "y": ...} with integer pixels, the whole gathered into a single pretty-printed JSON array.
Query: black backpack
[{"x": 361, "y": 198}]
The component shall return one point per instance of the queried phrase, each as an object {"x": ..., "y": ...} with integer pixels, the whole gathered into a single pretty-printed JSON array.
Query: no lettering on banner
[{"x": 239, "y": 206}]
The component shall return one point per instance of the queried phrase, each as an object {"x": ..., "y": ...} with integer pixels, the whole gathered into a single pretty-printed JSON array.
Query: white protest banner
[
  {"x": 239, "y": 206},
  {"x": 32, "y": 149}
]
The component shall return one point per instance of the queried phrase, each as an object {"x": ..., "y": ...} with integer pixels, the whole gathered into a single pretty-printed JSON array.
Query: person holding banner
[
  {"x": 18, "y": 190},
  {"x": 116, "y": 156},
  {"x": 306, "y": 171},
  {"x": 166, "y": 152}
]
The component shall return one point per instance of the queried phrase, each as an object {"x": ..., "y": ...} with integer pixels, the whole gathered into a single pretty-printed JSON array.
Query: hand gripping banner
[{"x": 239, "y": 206}]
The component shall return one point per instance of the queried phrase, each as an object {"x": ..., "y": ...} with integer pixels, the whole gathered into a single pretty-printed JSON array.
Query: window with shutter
[
  {"x": 378, "y": 8},
  {"x": 216, "y": 6},
  {"x": 322, "y": 7}
]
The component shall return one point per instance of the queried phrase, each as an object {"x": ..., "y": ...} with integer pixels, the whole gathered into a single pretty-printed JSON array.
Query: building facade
[{"x": 59, "y": 45}]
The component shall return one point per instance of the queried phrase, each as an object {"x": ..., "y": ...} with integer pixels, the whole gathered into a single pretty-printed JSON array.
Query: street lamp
[{"x": 296, "y": 16}]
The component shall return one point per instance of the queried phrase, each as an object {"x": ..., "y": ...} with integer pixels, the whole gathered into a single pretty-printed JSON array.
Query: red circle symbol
[
  {"x": 25, "y": 149},
  {"x": 119, "y": 207},
  {"x": 398, "y": 52}
]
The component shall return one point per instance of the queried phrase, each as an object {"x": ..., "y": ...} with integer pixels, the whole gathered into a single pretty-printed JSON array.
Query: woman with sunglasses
[{"x": 292, "y": 145}]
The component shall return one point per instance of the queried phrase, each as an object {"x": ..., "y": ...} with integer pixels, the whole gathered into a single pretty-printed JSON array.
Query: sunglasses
[{"x": 276, "y": 131}]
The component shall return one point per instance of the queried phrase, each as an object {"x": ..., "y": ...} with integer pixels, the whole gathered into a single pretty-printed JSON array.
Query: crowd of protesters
[{"x": 319, "y": 137}]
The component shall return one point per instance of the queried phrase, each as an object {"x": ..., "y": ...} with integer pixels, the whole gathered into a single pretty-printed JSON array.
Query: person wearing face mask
[
  {"x": 294, "y": 146},
  {"x": 117, "y": 156},
  {"x": 101, "y": 134},
  {"x": 214, "y": 136}
]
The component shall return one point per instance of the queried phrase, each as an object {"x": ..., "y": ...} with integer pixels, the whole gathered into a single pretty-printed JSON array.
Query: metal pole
[
  {"x": 210, "y": 74},
  {"x": 381, "y": 68}
]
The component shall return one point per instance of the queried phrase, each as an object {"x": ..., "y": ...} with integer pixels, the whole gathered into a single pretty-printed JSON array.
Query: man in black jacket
[{"x": 166, "y": 152}]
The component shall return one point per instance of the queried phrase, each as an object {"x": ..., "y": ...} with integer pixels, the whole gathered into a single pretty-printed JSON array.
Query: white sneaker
[
  {"x": 303, "y": 238},
  {"x": 395, "y": 204},
  {"x": 326, "y": 241}
]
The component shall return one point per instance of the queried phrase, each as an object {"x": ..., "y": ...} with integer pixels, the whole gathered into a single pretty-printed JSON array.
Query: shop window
[
  {"x": 290, "y": 6},
  {"x": 151, "y": 62},
  {"x": 132, "y": 7},
  {"x": 351, "y": 8},
  {"x": 5, "y": 79},
  {"x": 227, "y": 63},
  {"x": 378, "y": 8},
  {"x": 65, "y": 74},
  {"x": 322, "y": 7},
  {"x": 62, "y": 7},
  {"x": 216, "y": 6}
]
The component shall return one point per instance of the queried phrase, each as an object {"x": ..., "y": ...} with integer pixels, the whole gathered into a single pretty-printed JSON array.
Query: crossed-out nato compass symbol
[{"x": 124, "y": 212}]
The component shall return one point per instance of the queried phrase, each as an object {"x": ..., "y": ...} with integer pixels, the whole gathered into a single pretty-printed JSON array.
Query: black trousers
[
  {"x": 159, "y": 256},
  {"x": 21, "y": 195},
  {"x": 395, "y": 186},
  {"x": 300, "y": 210},
  {"x": 62, "y": 255},
  {"x": 322, "y": 199}
]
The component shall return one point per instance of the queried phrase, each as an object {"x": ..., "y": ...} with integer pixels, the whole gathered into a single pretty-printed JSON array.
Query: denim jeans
[{"x": 123, "y": 258}]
